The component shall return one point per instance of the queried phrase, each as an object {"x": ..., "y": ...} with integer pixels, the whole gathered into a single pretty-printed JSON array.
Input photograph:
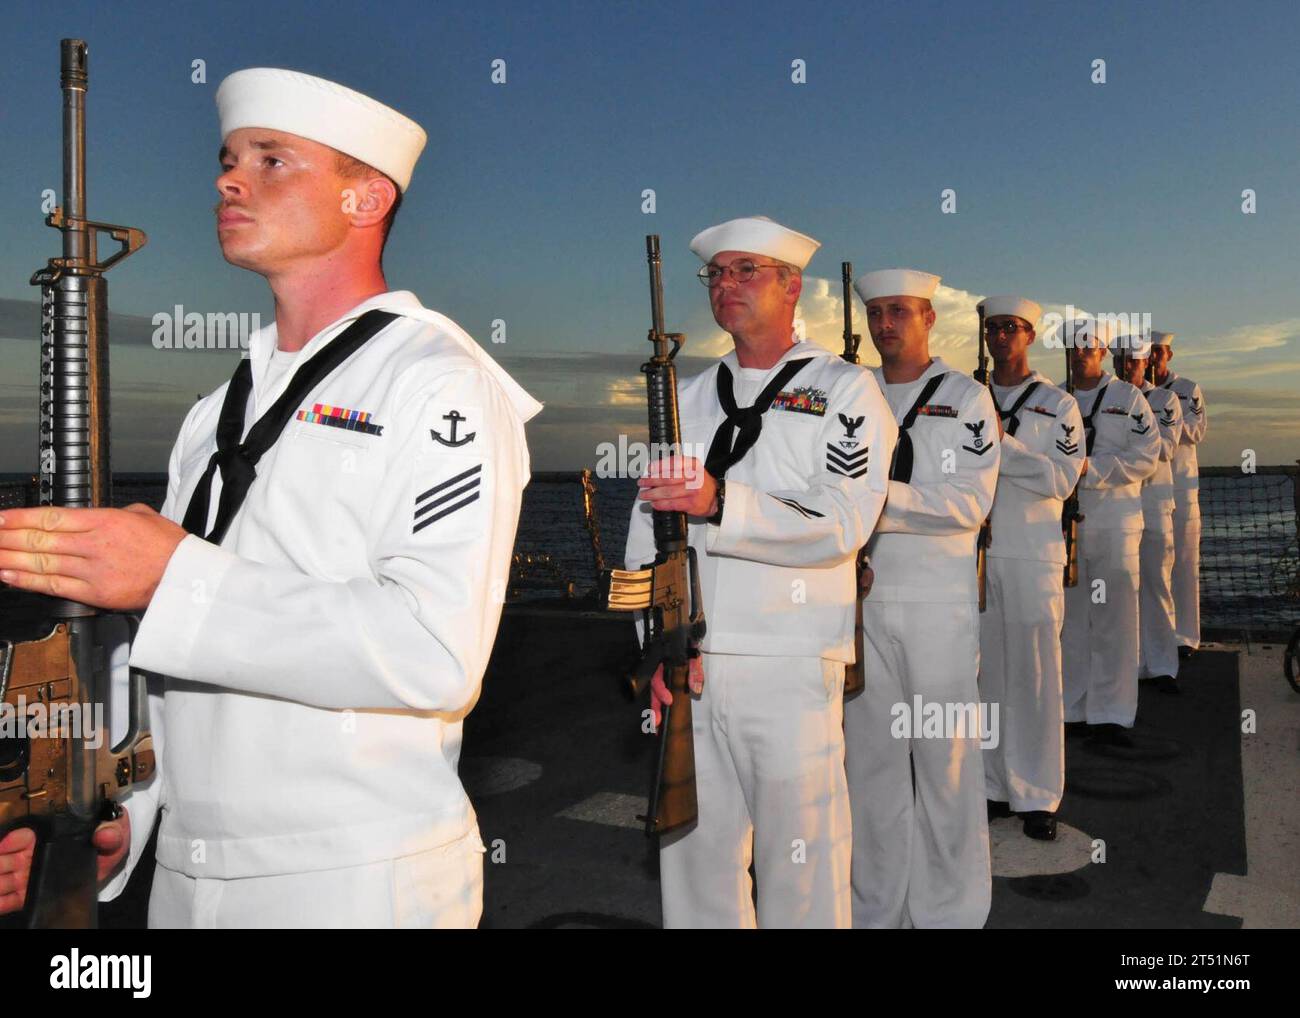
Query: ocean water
[
  {"x": 1249, "y": 559},
  {"x": 1250, "y": 565}
]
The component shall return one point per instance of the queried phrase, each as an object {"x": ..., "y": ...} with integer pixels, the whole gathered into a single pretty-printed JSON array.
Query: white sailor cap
[
  {"x": 1087, "y": 332},
  {"x": 756, "y": 235},
  {"x": 1161, "y": 338},
  {"x": 1020, "y": 307},
  {"x": 1136, "y": 344},
  {"x": 325, "y": 112},
  {"x": 896, "y": 283}
]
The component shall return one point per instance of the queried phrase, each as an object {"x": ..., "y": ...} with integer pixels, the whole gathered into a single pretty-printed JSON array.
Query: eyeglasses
[
  {"x": 1009, "y": 328},
  {"x": 741, "y": 270}
]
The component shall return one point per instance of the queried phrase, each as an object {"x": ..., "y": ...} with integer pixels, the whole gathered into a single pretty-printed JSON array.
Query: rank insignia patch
[
  {"x": 444, "y": 499},
  {"x": 1195, "y": 406},
  {"x": 936, "y": 410},
  {"x": 340, "y": 417},
  {"x": 847, "y": 464},
  {"x": 978, "y": 445},
  {"x": 1167, "y": 418},
  {"x": 1067, "y": 444},
  {"x": 804, "y": 400},
  {"x": 851, "y": 424},
  {"x": 1142, "y": 428}
]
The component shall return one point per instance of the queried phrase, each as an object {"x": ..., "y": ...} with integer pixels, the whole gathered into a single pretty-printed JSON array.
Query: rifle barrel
[
  {"x": 656, "y": 287},
  {"x": 74, "y": 80}
]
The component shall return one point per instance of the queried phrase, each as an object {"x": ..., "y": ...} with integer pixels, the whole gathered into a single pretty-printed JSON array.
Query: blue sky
[{"x": 1123, "y": 196}]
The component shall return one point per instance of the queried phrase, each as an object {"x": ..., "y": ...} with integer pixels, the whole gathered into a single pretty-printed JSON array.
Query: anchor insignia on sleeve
[{"x": 455, "y": 417}]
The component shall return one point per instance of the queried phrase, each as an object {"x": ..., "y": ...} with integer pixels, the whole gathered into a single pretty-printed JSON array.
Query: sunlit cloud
[{"x": 1248, "y": 375}]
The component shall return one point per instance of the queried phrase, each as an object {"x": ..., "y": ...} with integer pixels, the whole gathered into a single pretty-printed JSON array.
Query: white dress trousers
[
  {"x": 437, "y": 889},
  {"x": 769, "y": 775},
  {"x": 1020, "y": 670},
  {"x": 920, "y": 854},
  {"x": 1099, "y": 643}
]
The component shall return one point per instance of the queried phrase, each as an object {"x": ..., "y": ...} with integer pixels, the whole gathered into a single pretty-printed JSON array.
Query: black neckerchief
[
  {"x": 238, "y": 462},
  {"x": 1015, "y": 407},
  {"x": 723, "y": 453},
  {"x": 901, "y": 468},
  {"x": 1087, "y": 421}
]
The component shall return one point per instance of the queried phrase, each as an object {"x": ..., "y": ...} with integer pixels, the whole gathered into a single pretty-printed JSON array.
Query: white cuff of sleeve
[
  {"x": 728, "y": 536},
  {"x": 180, "y": 607}
]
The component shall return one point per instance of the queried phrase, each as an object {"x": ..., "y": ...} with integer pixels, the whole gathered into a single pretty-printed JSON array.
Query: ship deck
[{"x": 1199, "y": 823}]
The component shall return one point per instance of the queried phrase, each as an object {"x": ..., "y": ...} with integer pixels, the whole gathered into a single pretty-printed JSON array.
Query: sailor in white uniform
[
  {"x": 921, "y": 850},
  {"x": 325, "y": 615},
  {"x": 1157, "y": 644},
  {"x": 1020, "y": 630},
  {"x": 798, "y": 446},
  {"x": 1100, "y": 641},
  {"x": 1187, "y": 483}
]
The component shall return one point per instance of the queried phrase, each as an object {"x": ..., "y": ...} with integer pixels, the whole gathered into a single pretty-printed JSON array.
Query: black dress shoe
[
  {"x": 998, "y": 810},
  {"x": 1112, "y": 735},
  {"x": 1184, "y": 652},
  {"x": 1167, "y": 684},
  {"x": 1076, "y": 729},
  {"x": 1040, "y": 824}
]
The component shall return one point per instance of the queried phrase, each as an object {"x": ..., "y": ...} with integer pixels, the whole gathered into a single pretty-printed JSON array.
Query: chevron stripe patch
[
  {"x": 847, "y": 464},
  {"x": 443, "y": 499}
]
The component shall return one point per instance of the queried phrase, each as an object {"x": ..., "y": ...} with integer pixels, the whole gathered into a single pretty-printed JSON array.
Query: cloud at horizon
[{"x": 592, "y": 398}]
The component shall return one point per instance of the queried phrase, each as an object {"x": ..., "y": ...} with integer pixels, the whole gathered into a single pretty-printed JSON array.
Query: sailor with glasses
[{"x": 783, "y": 475}]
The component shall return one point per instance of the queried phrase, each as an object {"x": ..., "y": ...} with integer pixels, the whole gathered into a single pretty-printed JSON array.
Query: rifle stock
[
  {"x": 667, "y": 590},
  {"x": 855, "y": 679},
  {"x": 57, "y": 775}
]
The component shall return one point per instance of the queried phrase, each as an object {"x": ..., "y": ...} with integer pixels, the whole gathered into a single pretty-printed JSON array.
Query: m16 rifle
[
  {"x": 1070, "y": 515},
  {"x": 57, "y": 776},
  {"x": 854, "y": 677},
  {"x": 984, "y": 377},
  {"x": 667, "y": 590}
]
